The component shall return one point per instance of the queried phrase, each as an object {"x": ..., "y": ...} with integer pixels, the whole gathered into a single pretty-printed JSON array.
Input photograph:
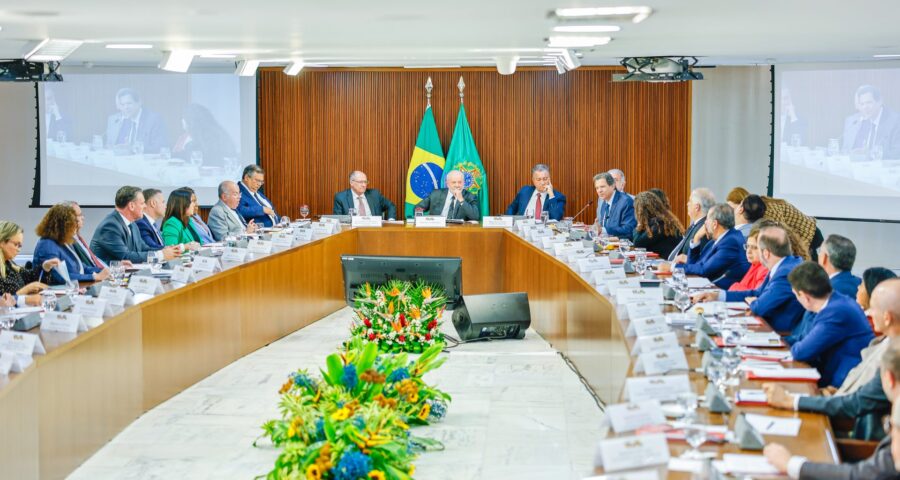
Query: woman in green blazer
[{"x": 176, "y": 228}]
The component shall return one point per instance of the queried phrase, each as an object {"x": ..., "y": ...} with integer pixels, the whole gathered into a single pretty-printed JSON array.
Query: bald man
[
  {"x": 453, "y": 202},
  {"x": 366, "y": 201}
]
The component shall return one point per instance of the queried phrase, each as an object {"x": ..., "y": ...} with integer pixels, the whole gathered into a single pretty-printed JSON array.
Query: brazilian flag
[
  {"x": 463, "y": 156},
  {"x": 426, "y": 165}
]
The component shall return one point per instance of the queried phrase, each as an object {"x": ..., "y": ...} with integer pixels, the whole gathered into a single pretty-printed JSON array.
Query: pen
[{"x": 771, "y": 424}]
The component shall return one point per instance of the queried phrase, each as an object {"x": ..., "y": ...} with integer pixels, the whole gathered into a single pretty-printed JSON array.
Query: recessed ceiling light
[
  {"x": 52, "y": 50},
  {"x": 177, "y": 61},
  {"x": 218, "y": 55},
  {"x": 129, "y": 46},
  {"x": 576, "y": 42},
  {"x": 246, "y": 68},
  {"x": 640, "y": 13},
  {"x": 586, "y": 28},
  {"x": 887, "y": 55},
  {"x": 294, "y": 67}
]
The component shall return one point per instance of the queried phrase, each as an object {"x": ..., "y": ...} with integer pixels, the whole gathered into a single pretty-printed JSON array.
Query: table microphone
[{"x": 586, "y": 205}]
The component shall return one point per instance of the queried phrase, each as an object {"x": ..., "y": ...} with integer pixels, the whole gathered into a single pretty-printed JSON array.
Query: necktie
[
  {"x": 96, "y": 261},
  {"x": 537, "y": 206},
  {"x": 259, "y": 200},
  {"x": 453, "y": 206},
  {"x": 604, "y": 214},
  {"x": 125, "y": 132},
  {"x": 156, "y": 232},
  {"x": 240, "y": 217},
  {"x": 862, "y": 136},
  {"x": 362, "y": 206}
]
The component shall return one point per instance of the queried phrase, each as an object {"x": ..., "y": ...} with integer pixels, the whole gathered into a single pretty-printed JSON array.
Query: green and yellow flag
[
  {"x": 426, "y": 167},
  {"x": 463, "y": 156}
]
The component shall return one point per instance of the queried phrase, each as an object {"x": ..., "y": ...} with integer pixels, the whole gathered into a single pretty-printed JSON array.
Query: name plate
[
  {"x": 260, "y": 246},
  {"x": 661, "y": 362},
  {"x": 431, "y": 221},
  {"x": 145, "y": 285},
  {"x": 525, "y": 230},
  {"x": 662, "y": 388},
  {"x": 575, "y": 255},
  {"x": 236, "y": 255},
  {"x": 629, "y": 295},
  {"x": 24, "y": 345},
  {"x": 365, "y": 221},
  {"x": 642, "y": 309},
  {"x": 600, "y": 277},
  {"x": 563, "y": 249},
  {"x": 322, "y": 229},
  {"x": 553, "y": 240},
  {"x": 613, "y": 286},
  {"x": 116, "y": 296},
  {"x": 539, "y": 232},
  {"x": 208, "y": 264},
  {"x": 282, "y": 240},
  {"x": 652, "y": 343},
  {"x": 497, "y": 222},
  {"x": 593, "y": 263},
  {"x": 89, "y": 307},
  {"x": 627, "y": 417},
  {"x": 525, "y": 222},
  {"x": 9, "y": 362},
  {"x": 181, "y": 274},
  {"x": 647, "y": 326},
  {"x": 63, "y": 322},
  {"x": 330, "y": 220},
  {"x": 628, "y": 453},
  {"x": 303, "y": 235}
]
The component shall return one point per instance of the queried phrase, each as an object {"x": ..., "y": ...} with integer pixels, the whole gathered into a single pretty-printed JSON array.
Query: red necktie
[
  {"x": 97, "y": 262},
  {"x": 537, "y": 206},
  {"x": 362, "y": 206}
]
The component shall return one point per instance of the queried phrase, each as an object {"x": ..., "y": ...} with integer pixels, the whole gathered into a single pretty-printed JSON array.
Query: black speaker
[{"x": 493, "y": 315}]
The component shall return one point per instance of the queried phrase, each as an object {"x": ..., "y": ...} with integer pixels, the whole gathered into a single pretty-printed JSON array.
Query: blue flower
[
  {"x": 353, "y": 466},
  {"x": 438, "y": 410},
  {"x": 303, "y": 380},
  {"x": 350, "y": 378},
  {"x": 359, "y": 422},
  {"x": 398, "y": 375},
  {"x": 320, "y": 429}
]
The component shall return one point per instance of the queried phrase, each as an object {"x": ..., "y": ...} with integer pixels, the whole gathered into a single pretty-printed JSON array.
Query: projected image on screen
[
  {"x": 102, "y": 131},
  {"x": 838, "y": 135}
]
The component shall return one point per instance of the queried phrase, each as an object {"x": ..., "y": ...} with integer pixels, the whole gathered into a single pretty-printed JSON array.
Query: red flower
[
  {"x": 367, "y": 322},
  {"x": 432, "y": 324},
  {"x": 402, "y": 320},
  {"x": 371, "y": 336},
  {"x": 401, "y": 338},
  {"x": 427, "y": 336}
]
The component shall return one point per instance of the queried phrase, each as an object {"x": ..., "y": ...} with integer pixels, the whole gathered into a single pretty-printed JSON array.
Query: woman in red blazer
[{"x": 757, "y": 273}]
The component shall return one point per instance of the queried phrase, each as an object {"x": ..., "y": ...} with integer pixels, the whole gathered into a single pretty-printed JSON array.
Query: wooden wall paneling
[
  {"x": 19, "y": 444},
  {"x": 318, "y": 126}
]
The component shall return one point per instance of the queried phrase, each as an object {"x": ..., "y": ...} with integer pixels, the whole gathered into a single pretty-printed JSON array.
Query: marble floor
[{"x": 518, "y": 412}]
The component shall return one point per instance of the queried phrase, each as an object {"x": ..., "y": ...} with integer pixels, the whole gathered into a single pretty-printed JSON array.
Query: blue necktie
[
  {"x": 125, "y": 132},
  {"x": 604, "y": 213}
]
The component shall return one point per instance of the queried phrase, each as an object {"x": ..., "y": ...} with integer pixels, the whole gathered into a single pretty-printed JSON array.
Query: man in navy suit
[
  {"x": 254, "y": 205},
  {"x": 872, "y": 125},
  {"x": 773, "y": 300},
  {"x": 722, "y": 260},
  {"x": 154, "y": 211},
  {"x": 134, "y": 123},
  {"x": 534, "y": 200},
  {"x": 698, "y": 205},
  {"x": 116, "y": 238},
  {"x": 615, "y": 214},
  {"x": 366, "y": 201},
  {"x": 840, "y": 330}
]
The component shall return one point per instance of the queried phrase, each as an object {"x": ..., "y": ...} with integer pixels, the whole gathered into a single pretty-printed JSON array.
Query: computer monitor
[{"x": 377, "y": 269}]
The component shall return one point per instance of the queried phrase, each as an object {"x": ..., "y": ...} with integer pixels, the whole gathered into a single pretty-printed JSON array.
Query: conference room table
[{"x": 88, "y": 387}]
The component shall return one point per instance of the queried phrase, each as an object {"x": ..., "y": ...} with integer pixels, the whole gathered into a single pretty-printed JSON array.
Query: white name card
[
  {"x": 641, "y": 309},
  {"x": 431, "y": 221},
  {"x": 21, "y": 344},
  {"x": 116, "y": 296},
  {"x": 237, "y": 255},
  {"x": 89, "y": 307},
  {"x": 303, "y": 235},
  {"x": 553, "y": 240},
  {"x": 497, "y": 222},
  {"x": 612, "y": 287},
  {"x": 575, "y": 255},
  {"x": 661, "y": 362},
  {"x": 525, "y": 230},
  {"x": 365, "y": 221},
  {"x": 282, "y": 240},
  {"x": 330, "y": 220},
  {"x": 627, "y": 417},
  {"x": 600, "y": 277},
  {"x": 651, "y": 343},
  {"x": 260, "y": 246},
  {"x": 9, "y": 362},
  {"x": 182, "y": 274},
  {"x": 662, "y": 388},
  {"x": 647, "y": 326},
  {"x": 629, "y": 295},
  {"x": 208, "y": 264},
  {"x": 628, "y": 453},
  {"x": 564, "y": 248},
  {"x": 593, "y": 263},
  {"x": 63, "y": 322},
  {"x": 525, "y": 222},
  {"x": 322, "y": 229},
  {"x": 539, "y": 232},
  {"x": 145, "y": 285}
]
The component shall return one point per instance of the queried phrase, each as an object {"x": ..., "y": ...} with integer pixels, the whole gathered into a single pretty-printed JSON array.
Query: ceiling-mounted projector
[
  {"x": 658, "y": 69},
  {"x": 24, "y": 71}
]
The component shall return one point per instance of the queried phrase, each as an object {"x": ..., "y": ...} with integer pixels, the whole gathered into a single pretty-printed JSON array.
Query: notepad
[
  {"x": 751, "y": 397},
  {"x": 745, "y": 464},
  {"x": 768, "y": 425},
  {"x": 795, "y": 374}
]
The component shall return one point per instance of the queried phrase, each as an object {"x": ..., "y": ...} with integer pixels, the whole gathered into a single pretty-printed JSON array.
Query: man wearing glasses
[
  {"x": 362, "y": 199},
  {"x": 254, "y": 205}
]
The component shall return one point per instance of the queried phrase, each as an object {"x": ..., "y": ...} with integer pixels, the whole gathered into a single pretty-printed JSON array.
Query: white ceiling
[{"x": 457, "y": 32}]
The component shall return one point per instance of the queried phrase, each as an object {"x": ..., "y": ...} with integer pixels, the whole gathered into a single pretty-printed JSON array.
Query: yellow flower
[
  {"x": 286, "y": 387},
  {"x": 294, "y": 429},
  {"x": 394, "y": 292},
  {"x": 313, "y": 472},
  {"x": 376, "y": 475},
  {"x": 318, "y": 396},
  {"x": 391, "y": 307},
  {"x": 341, "y": 414},
  {"x": 368, "y": 290},
  {"x": 426, "y": 293},
  {"x": 413, "y": 397},
  {"x": 424, "y": 412},
  {"x": 402, "y": 425},
  {"x": 412, "y": 469},
  {"x": 324, "y": 460},
  {"x": 414, "y": 312}
]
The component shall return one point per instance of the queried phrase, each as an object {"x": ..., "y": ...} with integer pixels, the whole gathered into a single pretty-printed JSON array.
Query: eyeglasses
[
  {"x": 16, "y": 244},
  {"x": 259, "y": 181},
  {"x": 361, "y": 182},
  {"x": 749, "y": 247}
]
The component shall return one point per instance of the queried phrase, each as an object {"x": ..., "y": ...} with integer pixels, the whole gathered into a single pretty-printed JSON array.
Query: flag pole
[
  {"x": 461, "y": 86},
  {"x": 428, "y": 87}
]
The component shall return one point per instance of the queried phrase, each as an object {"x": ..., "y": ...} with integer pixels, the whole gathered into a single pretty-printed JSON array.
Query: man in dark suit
[
  {"x": 148, "y": 224},
  {"x": 534, "y": 200},
  {"x": 794, "y": 130},
  {"x": 872, "y": 125},
  {"x": 58, "y": 126},
  {"x": 454, "y": 201},
  {"x": 366, "y": 201},
  {"x": 117, "y": 238},
  {"x": 615, "y": 214},
  {"x": 722, "y": 260},
  {"x": 254, "y": 205},
  {"x": 134, "y": 123},
  {"x": 699, "y": 203}
]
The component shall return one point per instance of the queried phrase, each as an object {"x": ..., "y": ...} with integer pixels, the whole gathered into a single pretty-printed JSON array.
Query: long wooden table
[{"x": 86, "y": 389}]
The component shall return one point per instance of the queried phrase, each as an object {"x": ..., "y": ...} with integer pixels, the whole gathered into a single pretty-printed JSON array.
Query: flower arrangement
[
  {"x": 399, "y": 316},
  {"x": 353, "y": 422}
]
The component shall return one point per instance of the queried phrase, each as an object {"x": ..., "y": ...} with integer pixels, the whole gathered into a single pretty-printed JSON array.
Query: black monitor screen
[{"x": 376, "y": 270}]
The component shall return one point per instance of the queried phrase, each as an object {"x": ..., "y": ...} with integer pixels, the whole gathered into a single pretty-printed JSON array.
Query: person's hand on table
[
  {"x": 778, "y": 455},
  {"x": 192, "y": 246},
  {"x": 778, "y": 397},
  {"x": 705, "y": 297},
  {"x": 252, "y": 226},
  {"x": 664, "y": 267},
  {"x": 49, "y": 264},
  {"x": 127, "y": 264},
  {"x": 749, "y": 300},
  {"x": 101, "y": 275},
  {"x": 33, "y": 300},
  {"x": 681, "y": 258},
  {"x": 170, "y": 252},
  {"x": 828, "y": 391},
  {"x": 7, "y": 300},
  {"x": 32, "y": 288}
]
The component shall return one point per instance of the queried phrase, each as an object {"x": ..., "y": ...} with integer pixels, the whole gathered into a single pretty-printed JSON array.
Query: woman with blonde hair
[
  {"x": 57, "y": 231},
  {"x": 24, "y": 283},
  {"x": 658, "y": 230},
  {"x": 754, "y": 277}
]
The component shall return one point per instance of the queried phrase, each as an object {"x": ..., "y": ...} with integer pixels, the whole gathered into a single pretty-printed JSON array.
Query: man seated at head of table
[
  {"x": 117, "y": 237},
  {"x": 20, "y": 286},
  {"x": 224, "y": 220},
  {"x": 177, "y": 229},
  {"x": 615, "y": 213},
  {"x": 869, "y": 402},
  {"x": 453, "y": 201},
  {"x": 149, "y": 224},
  {"x": 839, "y": 330},
  {"x": 367, "y": 201},
  {"x": 882, "y": 463},
  {"x": 757, "y": 273},
  {"x": 723, "y": 260},
  {"x": 698, "y": 205},
  {"x": 533, "y": 200},
  {"x": 254, "y": 205},
  {"x": 773, "y": 301},
  {"x": 658, "y": 229},
  {"x": 57, "y": 236}
]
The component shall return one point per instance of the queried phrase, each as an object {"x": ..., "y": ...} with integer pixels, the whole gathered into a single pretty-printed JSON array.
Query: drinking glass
[
  {"x": 679, "y": 278},
  {"x": 876, "y": 152},
  {"x": 688, "y": 404},
  {"x": 48, "y": 301},
  {"x": 717, "y": 373},
  {"x": 694, "y": 435},
  {"x": 116, "y": 271},
  {"x": 419, "y": 212},
  {"x": 284, "y": 221},
  {"x": 197, "y": 158},
  {"x": 731, "y": 359},
  {"x": 155, "y": 260},
  {"x": 545, "y": 217},
  {"x": 165, "y": 153},
  {"x": 682, "y": 300},
  {"x": 304, "y": 211},
  {"x": 834, "y": 147},
  {"x": 230, "y": 241},
  {"x": 352, "y": 212},
  {"x": 137, "y": 147}
]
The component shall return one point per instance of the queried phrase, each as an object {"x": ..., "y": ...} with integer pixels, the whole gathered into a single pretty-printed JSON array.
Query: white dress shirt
[
  {"x": 356, "y": 199},
  {"x": 529, "y": 209}
]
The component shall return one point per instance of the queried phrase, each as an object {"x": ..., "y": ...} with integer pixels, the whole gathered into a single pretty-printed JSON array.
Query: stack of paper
[
  {"x": 768, "y": 425},
  {"x": 750, "y": 397},
  {"x": 789, "y": 374},
  {"x": 754, "y": 339},
  {"x": 767, "y": 355},
  {"x": 679, "y": 320},
  {"x": 739, "y": 464}
]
